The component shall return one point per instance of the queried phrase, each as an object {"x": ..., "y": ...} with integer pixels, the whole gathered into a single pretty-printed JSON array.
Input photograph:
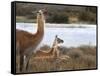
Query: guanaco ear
[
  {"x": 56, "y": 36},
  {"x": 40, "y": 11},
  {"x": 62, "y": 41}
]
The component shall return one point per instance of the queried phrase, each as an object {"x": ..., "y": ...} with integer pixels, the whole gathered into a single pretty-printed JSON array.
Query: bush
[
  {"x": 59, "y": 18},
  {"x": 63, "y": 49},
  {"x": 75, "y": 53},
  {"x": 87, "y": 17}
]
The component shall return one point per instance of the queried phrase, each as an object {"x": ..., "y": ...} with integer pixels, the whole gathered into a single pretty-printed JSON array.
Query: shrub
[{"x": 75, "y": 53}]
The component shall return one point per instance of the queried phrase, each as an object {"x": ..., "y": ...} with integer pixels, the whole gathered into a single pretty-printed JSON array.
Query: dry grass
[{"x": 83, "y": 57}]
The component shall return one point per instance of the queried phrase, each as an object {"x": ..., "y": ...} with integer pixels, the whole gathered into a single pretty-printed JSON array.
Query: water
[{"x": 72, "y": 37}]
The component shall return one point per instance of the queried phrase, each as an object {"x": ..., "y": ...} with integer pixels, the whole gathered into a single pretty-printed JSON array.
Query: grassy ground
[{"x": 83, "y": 57}]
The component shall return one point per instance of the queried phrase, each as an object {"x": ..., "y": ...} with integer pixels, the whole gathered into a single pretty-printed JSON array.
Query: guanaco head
[
  {"x": 40, "y": 14},
  {"x": 59, "y": 40}
]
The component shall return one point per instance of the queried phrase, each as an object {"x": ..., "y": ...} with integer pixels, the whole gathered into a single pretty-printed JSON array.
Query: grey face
[
  {"x": 59, "y": 40},
  {"x": 40, "y": 12}
]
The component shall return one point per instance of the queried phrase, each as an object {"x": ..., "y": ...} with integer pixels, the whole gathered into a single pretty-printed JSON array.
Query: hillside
[{"x": 56, "y": 13}]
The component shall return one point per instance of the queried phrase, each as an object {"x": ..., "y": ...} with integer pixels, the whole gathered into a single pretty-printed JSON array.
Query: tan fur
[
  {"x": 64, "y": 57},
  {"x": 53, "y": 53},
  {"x": 27, "y": 42}
]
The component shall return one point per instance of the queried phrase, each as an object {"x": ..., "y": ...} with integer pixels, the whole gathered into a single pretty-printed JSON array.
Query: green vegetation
[
  {"x": 83, "y": 57},
  {"x": 24, "y": 19},
  {"x": 58, "y": 18},
  {"x": 56, "y": 13}
]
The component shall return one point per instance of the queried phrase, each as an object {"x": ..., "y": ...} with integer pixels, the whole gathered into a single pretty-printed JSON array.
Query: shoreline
[{"x": 53, "y": 25}]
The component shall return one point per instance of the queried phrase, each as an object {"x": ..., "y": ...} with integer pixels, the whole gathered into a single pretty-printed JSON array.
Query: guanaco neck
[
  {"x": 52, "y": 50},
  {"x": 41, "y": 22},
  {"x": 54, "y": 46}
]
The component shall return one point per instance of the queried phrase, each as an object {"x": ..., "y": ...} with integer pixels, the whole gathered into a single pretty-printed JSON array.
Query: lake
[{"x": 73, "y": 34}]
